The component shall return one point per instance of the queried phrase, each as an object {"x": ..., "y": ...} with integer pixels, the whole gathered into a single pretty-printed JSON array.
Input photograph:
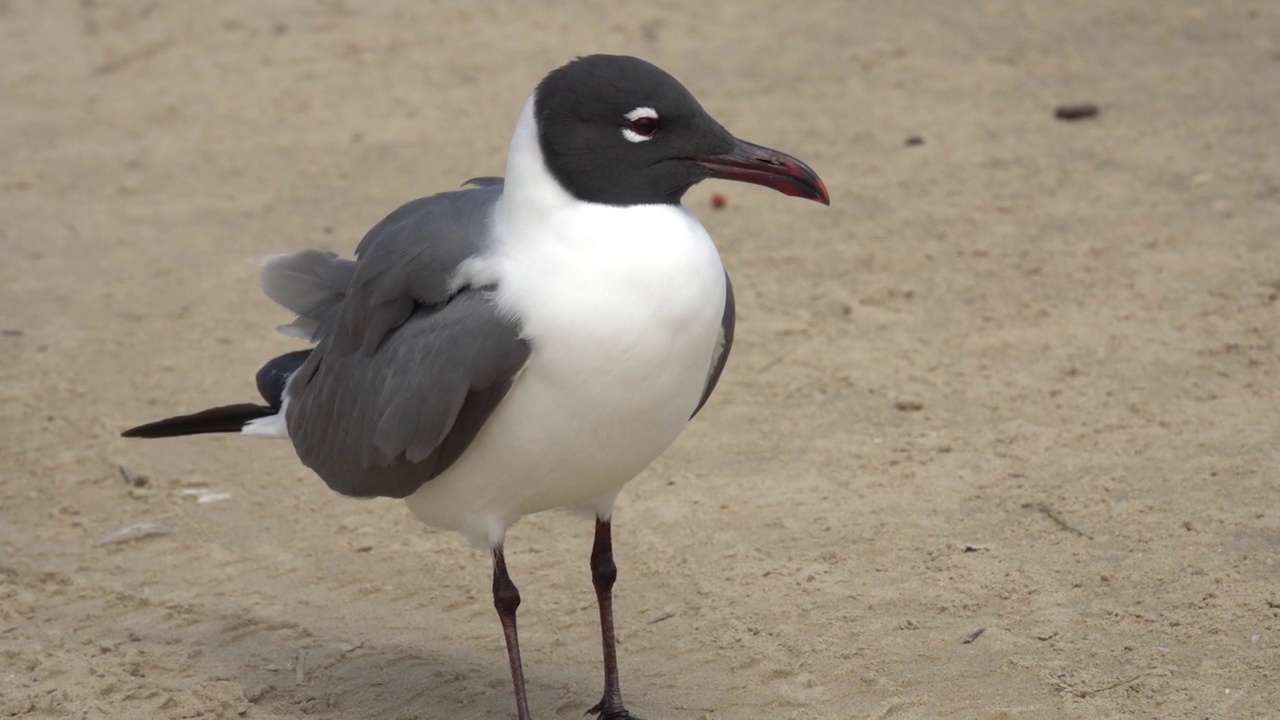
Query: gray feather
[
  {"x": 721, "y": 357},
  {"x": 410, "y": 259},
  {"x": 383, "y": 424},
  {"x": 312, "y": 284},
  {"x": 408, "y": 367}
]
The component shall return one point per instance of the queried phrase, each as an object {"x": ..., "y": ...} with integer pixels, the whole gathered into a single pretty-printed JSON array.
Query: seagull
[{"x": 525, "y": 343}]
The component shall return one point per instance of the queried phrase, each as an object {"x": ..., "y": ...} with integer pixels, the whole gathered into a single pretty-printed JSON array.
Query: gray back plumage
[
  {"x": 409, "y": 259},
  {"x": 407, "y": 366}
]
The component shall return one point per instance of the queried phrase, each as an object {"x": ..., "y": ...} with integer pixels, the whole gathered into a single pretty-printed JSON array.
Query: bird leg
[
  {"x": 506, "y": 598},
  {"x": 603, "y": 574}
]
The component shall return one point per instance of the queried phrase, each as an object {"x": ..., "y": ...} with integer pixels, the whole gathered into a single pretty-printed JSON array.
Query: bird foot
[{"x": 618, "y": 713}]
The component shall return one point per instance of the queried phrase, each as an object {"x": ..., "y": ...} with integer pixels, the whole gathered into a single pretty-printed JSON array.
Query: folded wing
[{"x": 408, "y": 364}]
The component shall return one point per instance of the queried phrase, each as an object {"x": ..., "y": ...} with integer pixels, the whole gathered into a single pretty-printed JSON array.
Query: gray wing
[
  {"x": 408, "y": 367},
  {"x": 721, "y": 358},
  {"x": 409, "y": 260}
]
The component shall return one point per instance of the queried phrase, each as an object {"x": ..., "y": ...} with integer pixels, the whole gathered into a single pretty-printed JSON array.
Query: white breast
[{"x": 622, "y": 308}]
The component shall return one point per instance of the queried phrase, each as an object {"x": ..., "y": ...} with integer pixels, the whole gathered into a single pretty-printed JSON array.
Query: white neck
[{"x": 530, "y": 190}]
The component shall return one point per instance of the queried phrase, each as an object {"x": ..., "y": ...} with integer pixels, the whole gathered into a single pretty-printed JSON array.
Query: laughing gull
[{"x": 522, "y": 344}]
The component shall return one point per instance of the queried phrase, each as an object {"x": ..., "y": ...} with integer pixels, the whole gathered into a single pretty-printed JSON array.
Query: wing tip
[{"x": 221, "y": 419}]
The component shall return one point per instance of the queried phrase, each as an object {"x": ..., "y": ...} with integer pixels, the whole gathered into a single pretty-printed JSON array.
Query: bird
[{"x": 522, "y": 343}]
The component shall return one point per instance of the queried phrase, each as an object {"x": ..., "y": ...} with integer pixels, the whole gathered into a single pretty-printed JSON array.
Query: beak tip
[{"x": 814, "y": 189}]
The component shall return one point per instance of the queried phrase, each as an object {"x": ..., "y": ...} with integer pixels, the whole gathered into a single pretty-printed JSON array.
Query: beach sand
[{"x": 1022, "y": 375}]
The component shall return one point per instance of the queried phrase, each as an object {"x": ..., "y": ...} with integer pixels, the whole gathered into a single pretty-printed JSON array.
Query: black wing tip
[
  {"x": 273, "y": 377},
  {"x": 221, "y": 419}
]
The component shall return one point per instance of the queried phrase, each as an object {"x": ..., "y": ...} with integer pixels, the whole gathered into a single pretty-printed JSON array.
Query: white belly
[{"x": 623, "y": 330}]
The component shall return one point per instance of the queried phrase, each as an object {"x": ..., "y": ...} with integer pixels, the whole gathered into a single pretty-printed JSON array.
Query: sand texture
[{"x": 1022, "y": 375}]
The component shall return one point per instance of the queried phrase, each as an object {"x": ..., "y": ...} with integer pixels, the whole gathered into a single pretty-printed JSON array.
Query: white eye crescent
[{"x": 642, "y": 125}]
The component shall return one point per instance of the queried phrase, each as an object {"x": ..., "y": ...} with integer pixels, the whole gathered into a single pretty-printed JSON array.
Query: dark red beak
[{"x": 751, "y": 163}]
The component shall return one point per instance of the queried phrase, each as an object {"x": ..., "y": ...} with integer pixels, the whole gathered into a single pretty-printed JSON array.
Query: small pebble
[
  {"x": 1076, "y": 111},
  {"x": 913, "y": 141}
]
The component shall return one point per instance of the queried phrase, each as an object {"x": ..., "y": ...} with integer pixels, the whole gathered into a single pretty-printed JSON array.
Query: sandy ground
[{"x": 1021, "y": 377}]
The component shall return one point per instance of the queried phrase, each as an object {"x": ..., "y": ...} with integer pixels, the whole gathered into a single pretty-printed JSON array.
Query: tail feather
[{"x": 221, "y": 419}]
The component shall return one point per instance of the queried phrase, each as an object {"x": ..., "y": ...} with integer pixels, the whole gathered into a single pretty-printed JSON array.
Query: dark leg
[
  {"x": 506, "y": 598},
  {"x": 603, "y": 573}
]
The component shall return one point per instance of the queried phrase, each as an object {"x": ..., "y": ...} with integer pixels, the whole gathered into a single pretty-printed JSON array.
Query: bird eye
[
  {"x": 642, "y": 125},
  {"x": 645, "y": 126}
]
